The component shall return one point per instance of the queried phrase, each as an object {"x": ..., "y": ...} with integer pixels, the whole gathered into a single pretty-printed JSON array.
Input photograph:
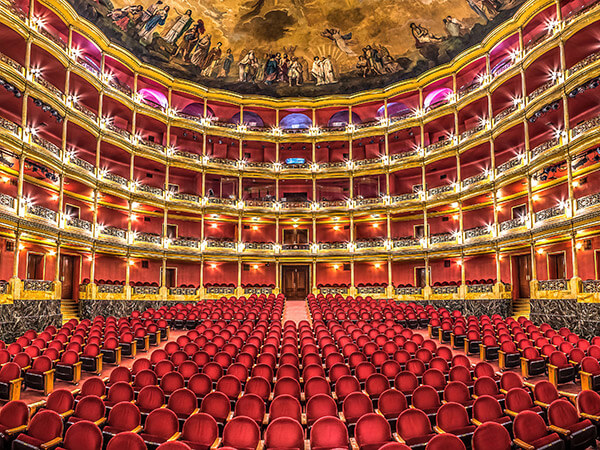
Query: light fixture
[
  {"x": 213, "y": 266},
  {"x": 255, "y": 266},
  {"x": 213, "y": 225},
  {"x": 336, "y": 266},
  {"x": 578, "y": 245},
  {"x": 254, "y": 228},
  {"x": 377, "y": 265},
  {"x": 540, "y": 251}
]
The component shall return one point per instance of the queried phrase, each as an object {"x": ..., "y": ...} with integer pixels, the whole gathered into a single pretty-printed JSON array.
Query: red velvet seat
[
  {"x": 394, "y": 446},
  {"x": 544, "y": 393},
  {"x": 82, "y": 436},
  {"x": 14, "y": 416},
  {"x": 144, "y": 378},
  {"x": 518, "y": 400},
  {"x": 201, "y": 385},
  {"x": 174, "y": 445},
  {"x": 414, "y": 428},
  {"x": 183, "y": 403},
  {"x": 92, "y": 386},
  {"x": 251, "y": 405},
  {"x": 123, "y": 417},
  {"x": 427, "y": 400},
  {"x": 458, "y": 392},
  {"x": 560, "y": 370},
  {"x": 487, "y": 386},
  {"x": 453, "y": 418},
  {"x": 200, "y": 432},
  {"x": 372, "y": 431},
  {"x": 491, "y": 436},
  {"x": 41, "y": 375},
  {"x": 284, "y": 433},
  {"x": 590, "y": 373},
  {"x": 126, "y": 441},
  {"x": 90, "y": 408},
  {"x": 119, "y": 392},
  {"x": 531, "y": 432},
  {"x": 111, "y": 351},
  {"x": 241, "y": 433},
  {"x": 508, "y": 355},
  {"x": 391, "y": 404},
  {"x": 318, "y": 406},
  {"x": 45, "y": 430},
  {"x": 217, "y": 405},
  {"x": 329, "y": 433},
  {"x": 10, "y": 382},
  {"x": 91, "y": 359},
  {"x": 69, "y": 367},
  {"x": 355, "y": 406},
  {"x": 577, "y": 432},
  {"x": 161, "y": 426},
  {"x": 487, "y": 409},
  {"x": 588, "y": 406},
  {"x": 532, "y": 364},
  {"x": 406, "y": 382},
  {"x": 445, "y": 442},
  {"x": 61, "y": 401}
]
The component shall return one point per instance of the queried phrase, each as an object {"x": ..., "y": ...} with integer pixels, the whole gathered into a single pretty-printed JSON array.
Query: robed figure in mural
[
  {"x": 247, "y": 66},
  {"x": 158, "y": 19},
  {"x": 201, "y": 51},
  {"x": 181, "y": 25}
]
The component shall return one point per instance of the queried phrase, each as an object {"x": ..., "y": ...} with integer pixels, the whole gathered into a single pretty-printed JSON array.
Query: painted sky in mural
[{"x": 300, "y": 45}]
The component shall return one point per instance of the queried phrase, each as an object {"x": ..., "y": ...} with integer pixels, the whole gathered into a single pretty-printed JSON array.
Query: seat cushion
[
  {"x": 582, "y": 432},
  {"x": 470, "y": 429},
  {"x": 27, "y": 441},
  {"x": 152, "y": 439},
  {"x": 196, "y": 445},
  {"x": 419, "y": 439},
  {"x": 548, "y": 442}
]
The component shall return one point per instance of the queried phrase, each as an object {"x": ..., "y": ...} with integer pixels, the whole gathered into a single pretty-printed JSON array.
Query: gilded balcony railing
[
  {"x": 43, "y": 212},
  {"x": 544, "y": 147},
  {"x": 7, "y": 201},
  {"x": 553, "y": 285},
  {"x": 549, "y": 213},
  {"x": 80, "y": 223}
]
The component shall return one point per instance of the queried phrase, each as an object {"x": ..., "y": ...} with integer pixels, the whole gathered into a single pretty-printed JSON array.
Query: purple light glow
[
  {"x": 436, "y": 96},
  {"x": 154, "y": 97}
]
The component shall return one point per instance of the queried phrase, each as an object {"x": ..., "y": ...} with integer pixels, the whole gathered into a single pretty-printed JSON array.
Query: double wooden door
[
  {"x": 521, "y": 266},
  {"x": 67, "y": 275},
  {"x": 295, "y": 281}
]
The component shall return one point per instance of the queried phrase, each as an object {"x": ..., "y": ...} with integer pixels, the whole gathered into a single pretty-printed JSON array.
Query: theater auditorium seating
[{"x": 363, "y": 374}]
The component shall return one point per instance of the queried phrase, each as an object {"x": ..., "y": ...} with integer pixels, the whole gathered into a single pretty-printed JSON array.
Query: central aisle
[{"x": 296, "y": 311}]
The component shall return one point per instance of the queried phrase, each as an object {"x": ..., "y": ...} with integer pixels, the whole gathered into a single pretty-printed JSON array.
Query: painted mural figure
[
  {"x": 454, "y": 27},
  {"x": 189, "y": 41},
  {"x": 422, "y": 35},
  {"x": 214, "y": 55},
  {"x": 226, "y": 65},
  {"x": 317, "y": 71},
  {"x": 247, "y": 67},
  {"x": 282, "y": 69},
  {"x": 271, "y": 69},
  {"x": 180, "y": 26},
  {"x": 123, "y": 16},
  {"x": 327, "y": 67},
  {"x": 486, "y": 9},
  {"x": 340, "y": 40},
  {"x": 201, "y": 51},
  {"x": 159, "y": 18},
  {"x": 148, "y": 13},
  {"x": 295, "y": 72}
]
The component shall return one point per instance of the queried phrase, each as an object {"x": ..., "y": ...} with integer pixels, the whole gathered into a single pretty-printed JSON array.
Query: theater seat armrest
[
  {"x": 197, "y": 410},
  {"x": 475, "y": 422},
  {"x": 175, "y": 436},
  {"x": 100, "y": 421},
  {"x": 106, "y": 380},
  {"x": 303, "y": 419},
  {"x": 523, "y": 444},
  {"x": 559, "y": 430},
  {"x": 510, "y": 412},
  {"x": 51, "y": 444},
  {"x": 334, "y": 396},
  {"x": 306, "y": 444},
  {"x": 551, "y": 366},
  {"x": 230, "y": 416},
  {"x": 216, "y": 444},
  {"x": 438, "y": 430},
  {"x": 342, "y": 417},
  {"x": 397, "y": 438},
  {"x": 13, "y": 431},
  {"x": 266, "y": 419},
  {"x": 379, "y": 412},
  {"x": 67, "y": 414},
  {"x": 261, "y": 445},
  {"x": 137, "y": 429},
  {"x": 529, "y": 384},
  {"x": 589, "y": 416}
]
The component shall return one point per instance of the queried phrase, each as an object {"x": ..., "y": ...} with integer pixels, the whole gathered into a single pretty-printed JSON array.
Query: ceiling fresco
[{"x": 296, "y": 47}]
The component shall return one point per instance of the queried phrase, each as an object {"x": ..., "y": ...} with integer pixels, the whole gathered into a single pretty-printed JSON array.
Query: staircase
[
  {"x": 521, "y": 307},
  {"x": 69, "y": 309}
]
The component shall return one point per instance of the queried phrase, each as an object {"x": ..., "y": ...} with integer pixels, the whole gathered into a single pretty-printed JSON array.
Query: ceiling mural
[{"x": 296, "y": 47}]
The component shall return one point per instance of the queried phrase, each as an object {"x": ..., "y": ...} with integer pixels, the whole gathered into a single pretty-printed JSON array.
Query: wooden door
[
  {"x": 67, "y": 270},
  {"x": 295, "y": 281},
  {"x": 521, "y": 275},
  {"x": 35, "y": 266},
  {"x": 556, "y": 266},
  {"x": 171, "y": 277},
  {"x": 420, "y": 277}
]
